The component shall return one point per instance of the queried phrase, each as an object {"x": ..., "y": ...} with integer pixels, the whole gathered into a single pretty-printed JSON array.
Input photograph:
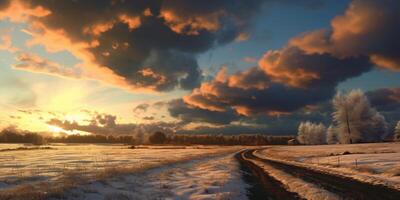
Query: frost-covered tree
[
  {"x": 311, "y": 133},
  {"x": 356, "y": 120},
  {"x": 397, "y": 132},
  {"x": 331, "y": 135}
]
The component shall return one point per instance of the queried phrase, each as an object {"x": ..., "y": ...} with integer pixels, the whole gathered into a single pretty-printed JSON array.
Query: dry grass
[
  {"x": 71, "y": 178},
  {"x": 364, "y": 169},
  {"x": 393, "y": 172}
]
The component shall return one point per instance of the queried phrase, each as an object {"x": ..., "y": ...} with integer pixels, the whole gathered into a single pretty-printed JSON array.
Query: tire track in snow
[{"x": 346, "y": 188}]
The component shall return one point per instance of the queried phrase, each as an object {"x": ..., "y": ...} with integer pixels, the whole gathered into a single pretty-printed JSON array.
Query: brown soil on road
[
  {"x": 262, "y": 185},
  {"x": 346, "y": 188}
]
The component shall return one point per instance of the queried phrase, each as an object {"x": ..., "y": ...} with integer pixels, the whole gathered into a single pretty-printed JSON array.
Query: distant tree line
[
  {"x": 187, "y": 139},
  {"x": 11, "y": 135},
  {"x": 92, "y": 139}
]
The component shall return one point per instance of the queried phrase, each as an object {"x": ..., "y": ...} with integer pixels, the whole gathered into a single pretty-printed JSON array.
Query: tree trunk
[{"x": 348, "y": 126}]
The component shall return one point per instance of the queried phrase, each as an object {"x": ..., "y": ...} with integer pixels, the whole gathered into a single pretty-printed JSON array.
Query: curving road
[{"x": 346, "y": 188}]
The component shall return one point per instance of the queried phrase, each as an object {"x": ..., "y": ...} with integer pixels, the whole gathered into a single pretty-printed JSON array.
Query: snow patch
[{"x": 211, "y": 178}]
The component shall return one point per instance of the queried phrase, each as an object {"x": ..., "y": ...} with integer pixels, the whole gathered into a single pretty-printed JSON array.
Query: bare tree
[
  {"x": 311, "y": 133},
  {"x": 397, "y": 132},
  {"x": 356, "y": 120}
]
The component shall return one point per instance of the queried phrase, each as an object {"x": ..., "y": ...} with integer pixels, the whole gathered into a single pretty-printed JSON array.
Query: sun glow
[{"x": 55, "y": 129}]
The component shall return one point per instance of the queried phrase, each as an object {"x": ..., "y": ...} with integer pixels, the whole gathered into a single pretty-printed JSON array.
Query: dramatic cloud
[
  {"x": 387, "y": 102},
  {"x": 187, "y": 114},
  {"x": 386, "y": 99},
  {"x": 286, "y": 80},
  {"x": 231, "y": 123},
  {"x": 307, "y": 70},
  {"x": 138, "y": 44},
  {"x": 296, "y": 68},
  {"x": 367, "y": 28}
]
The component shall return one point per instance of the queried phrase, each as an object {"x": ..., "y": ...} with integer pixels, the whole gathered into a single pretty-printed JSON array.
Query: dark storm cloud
[
  {"x": 232, "y": 123},
  {"x": 271, "y": 126},
  {"x": 178, "y": 109},
  {"x": 286, "y": 81},
  {"x": 296, "y": 68},
  {"x": 387, "y": 102},
  {"x": 368, "y": 27},
  {"x": 385, "y": 99},
  {"x": 307, "y": 70},
  {"x": 144, "y": 44},
  {"x": 4, "y": 4},
  {"x": 150, "y": 44}
]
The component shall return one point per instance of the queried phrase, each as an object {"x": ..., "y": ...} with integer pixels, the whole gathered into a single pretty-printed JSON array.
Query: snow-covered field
[
  {"x": 375, "y": 163},
  {"x": 209, "y": 178},
  {"x": 82, "y": 164}
]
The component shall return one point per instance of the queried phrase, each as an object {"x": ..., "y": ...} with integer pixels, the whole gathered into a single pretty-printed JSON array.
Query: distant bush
[{"x": 157, "y": 138}]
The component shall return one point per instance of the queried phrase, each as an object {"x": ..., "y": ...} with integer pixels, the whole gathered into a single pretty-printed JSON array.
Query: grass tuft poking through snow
[
  {"x": 48, "y": 173},
  {"x": 210, "y": 178},
  {"x": 376, "y": 163}
]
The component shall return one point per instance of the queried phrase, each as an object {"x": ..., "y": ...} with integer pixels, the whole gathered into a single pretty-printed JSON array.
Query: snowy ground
[
  {"x": 210, "y": 178},
  {"x": 293, "y": 184},
  {"x": 375, "y": 163},
  {"x": 78, "y": 164}
]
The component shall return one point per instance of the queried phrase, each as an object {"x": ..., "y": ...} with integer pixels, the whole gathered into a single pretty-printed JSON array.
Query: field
[
  {"x": 374, "y": 163},
  {"x": 61, "y": 171},
  {"x": 57, "y": 168}
]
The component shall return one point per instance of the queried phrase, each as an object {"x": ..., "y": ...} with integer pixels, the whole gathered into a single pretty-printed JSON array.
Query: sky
[{"x": 215, "y": 67}]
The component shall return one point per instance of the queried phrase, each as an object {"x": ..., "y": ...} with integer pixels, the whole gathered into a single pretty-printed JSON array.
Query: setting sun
[{"x": 55, "y": 129}]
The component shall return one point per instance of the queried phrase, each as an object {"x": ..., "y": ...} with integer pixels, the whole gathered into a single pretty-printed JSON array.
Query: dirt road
[{"x": 346, "y": 188}]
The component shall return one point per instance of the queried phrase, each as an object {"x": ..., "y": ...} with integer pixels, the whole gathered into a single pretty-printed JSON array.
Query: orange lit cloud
[
  {"x": 367, "y": 28},
  {"x": 20, "y": 11},
  {"x": 274, "y": 64},
  {"x": 6, "y": 44},
  {"x": 117, "y": 42},
  {"x": 242, "y": 37},
  {"x": 191, "y": 25},
  {"x": 36, "y": 64}
]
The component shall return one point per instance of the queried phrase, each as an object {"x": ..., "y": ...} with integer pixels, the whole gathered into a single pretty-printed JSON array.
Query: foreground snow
[
  {"x": 210, "y": 178},
  {"x": 377, "y": 163},
  {"x": 77, "y": 164}
]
